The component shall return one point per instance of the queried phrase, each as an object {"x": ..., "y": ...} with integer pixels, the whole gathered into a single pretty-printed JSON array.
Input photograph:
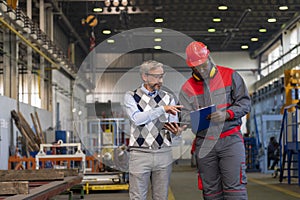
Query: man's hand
[
  {"x": 172, "y": 109},
  {"x": 219, "y": 116},
  {"x": 174, "y": 127}
]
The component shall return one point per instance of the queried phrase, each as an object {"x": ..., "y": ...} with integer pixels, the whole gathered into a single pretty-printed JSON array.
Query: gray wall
[{"x": 8, "y": 130}]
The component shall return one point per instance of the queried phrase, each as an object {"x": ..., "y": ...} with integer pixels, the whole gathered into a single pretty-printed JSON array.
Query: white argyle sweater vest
[{"x": 150, "y": 135}]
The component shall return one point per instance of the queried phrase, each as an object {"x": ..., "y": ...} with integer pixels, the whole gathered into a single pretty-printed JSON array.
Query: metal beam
[
  {"x": 278, "y": 72},
  {"x": 267, "y": 44},
  {"x": 28, "y": 43},
  {"x": 70, "y": 27}
]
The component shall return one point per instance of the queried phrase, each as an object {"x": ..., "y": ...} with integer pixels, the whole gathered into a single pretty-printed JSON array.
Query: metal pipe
[{"x": 236, "y": 28}]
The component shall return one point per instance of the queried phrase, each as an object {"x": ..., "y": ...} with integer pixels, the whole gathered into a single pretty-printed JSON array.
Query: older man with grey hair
[{"x": 151, "y": 112}]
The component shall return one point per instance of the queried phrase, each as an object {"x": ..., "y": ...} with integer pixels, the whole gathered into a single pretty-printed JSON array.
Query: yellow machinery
[
  {"x": 292, "y": 88},
  {"x": 290, "y": 132}
]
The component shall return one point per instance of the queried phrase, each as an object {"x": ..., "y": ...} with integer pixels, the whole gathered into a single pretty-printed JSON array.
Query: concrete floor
[{"x": 184, "y": 187}]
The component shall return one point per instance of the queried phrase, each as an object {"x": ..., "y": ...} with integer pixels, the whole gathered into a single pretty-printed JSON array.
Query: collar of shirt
[{"x": 147, "y": 91}]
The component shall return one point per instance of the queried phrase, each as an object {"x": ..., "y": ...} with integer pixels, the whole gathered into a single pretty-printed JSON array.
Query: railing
[
  {"x": 289, "y": 145},
  {"x": 77, "y": 156}
]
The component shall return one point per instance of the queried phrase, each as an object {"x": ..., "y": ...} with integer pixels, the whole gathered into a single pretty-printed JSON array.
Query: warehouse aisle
[{"x": 183, "y": 187}]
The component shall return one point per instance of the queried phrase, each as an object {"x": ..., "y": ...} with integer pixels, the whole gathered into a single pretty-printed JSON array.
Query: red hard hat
[{"x": 196, "y": 54}]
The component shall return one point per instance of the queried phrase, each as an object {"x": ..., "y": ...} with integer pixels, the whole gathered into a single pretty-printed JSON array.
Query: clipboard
[{"x": 199, "y": 119}]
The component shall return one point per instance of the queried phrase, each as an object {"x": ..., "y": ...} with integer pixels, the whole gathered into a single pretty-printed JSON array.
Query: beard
[{"x": 155, "y": 86}]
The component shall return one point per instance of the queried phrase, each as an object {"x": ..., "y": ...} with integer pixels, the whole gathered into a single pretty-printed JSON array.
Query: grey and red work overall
[{"x": 219, "y": 149}]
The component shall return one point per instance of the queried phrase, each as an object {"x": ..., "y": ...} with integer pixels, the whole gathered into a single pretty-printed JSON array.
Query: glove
[{"x": 219, "y": 116}]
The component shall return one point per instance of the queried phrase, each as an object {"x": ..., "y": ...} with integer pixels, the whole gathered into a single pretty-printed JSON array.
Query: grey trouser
[
  {"x": 154, "y": 166},
  {"x": 221, "y": 165}
]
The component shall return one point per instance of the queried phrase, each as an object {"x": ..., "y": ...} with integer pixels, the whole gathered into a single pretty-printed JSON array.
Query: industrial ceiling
[{"x": 238, "y": 24}]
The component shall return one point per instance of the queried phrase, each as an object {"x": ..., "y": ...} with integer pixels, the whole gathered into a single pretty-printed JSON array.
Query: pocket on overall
[{"x": 243, "y": 176}]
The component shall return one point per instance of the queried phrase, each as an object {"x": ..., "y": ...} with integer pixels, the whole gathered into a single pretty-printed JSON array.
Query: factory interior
[{"x": 67, "y": 64}]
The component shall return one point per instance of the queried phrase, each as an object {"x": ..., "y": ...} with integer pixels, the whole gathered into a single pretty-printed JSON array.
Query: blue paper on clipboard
[{"x": 199, "y": 119}]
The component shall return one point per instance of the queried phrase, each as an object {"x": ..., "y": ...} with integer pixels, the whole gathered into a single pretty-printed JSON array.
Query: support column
[
  {"x": 50, "y": 32},
  {"x": 29, "y": 57},
  {"x": 42, "y": 60},
  {"x": 10, "y": 65},
  {"x": 29, "y": 74},
  {"x": 42, "y": 83}
]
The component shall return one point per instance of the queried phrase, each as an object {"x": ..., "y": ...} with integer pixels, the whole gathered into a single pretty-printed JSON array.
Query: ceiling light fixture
[
  {"x": 106, "y": 32},
  {"x": 283, "y": 7},
  {"x": 115, "y": 3},
  {"x": 124, "y": 2},
  {"x": 244, "y": 46},
  {"x": 157, "y": 47},
  {"x": 271, "y": 20},
  {"x": 211, "y": 30},
  {"x": 158, "y": 20},
  {"x": 107, "y": 3},
  {"x": 254, "y": 39},
  {"x": 216, "y": 19},
  {"x": 158, "y": 30},
  {"x": 262, "y": 30},
  {"x": 222, "y": 7},
  {"x": 110, "y": 41},
  {"x": 98, "y": 9},
  {"x": 157, "y": 39}
]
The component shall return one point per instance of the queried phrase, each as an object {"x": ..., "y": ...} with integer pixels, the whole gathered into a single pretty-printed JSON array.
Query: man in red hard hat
[{"x": 219, "y": 149}]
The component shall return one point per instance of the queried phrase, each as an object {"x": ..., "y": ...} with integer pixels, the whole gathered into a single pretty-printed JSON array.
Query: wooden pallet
[{"x": 37, "y": 184}]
